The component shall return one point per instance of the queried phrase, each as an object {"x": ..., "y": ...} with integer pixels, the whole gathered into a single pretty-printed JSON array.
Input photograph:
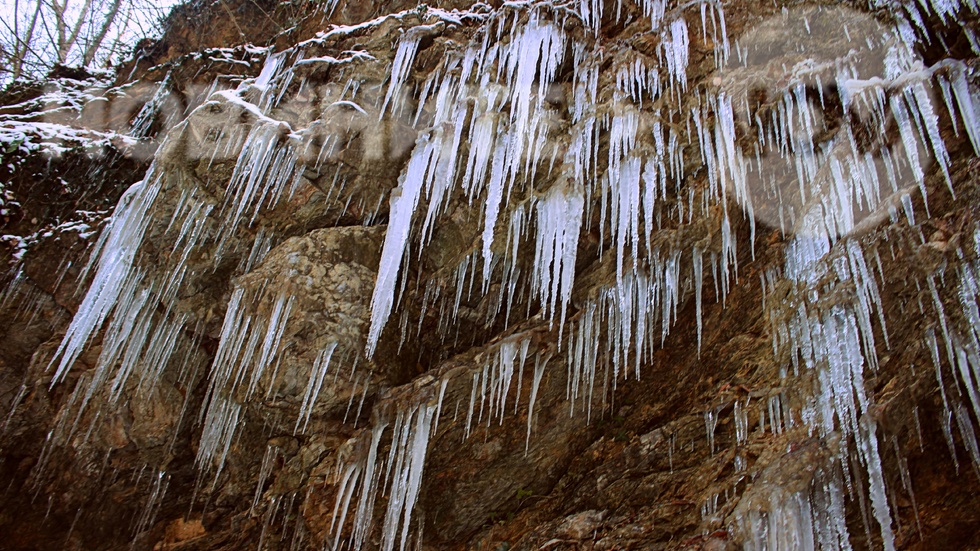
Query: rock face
[{"x": 499, "y": 276}]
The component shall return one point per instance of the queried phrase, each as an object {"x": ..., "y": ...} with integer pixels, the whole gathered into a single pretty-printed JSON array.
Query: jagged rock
[{"x": 328, "y": 275}]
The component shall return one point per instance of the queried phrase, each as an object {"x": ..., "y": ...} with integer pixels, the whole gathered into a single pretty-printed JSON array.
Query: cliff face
[{"x": 499, "y": 276}]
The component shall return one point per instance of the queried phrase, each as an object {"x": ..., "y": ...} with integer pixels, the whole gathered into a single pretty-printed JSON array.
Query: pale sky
[{"x": 135, "y": 19}]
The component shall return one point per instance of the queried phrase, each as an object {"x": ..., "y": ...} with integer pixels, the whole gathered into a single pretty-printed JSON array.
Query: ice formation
[{"x": 486, "y": 120}]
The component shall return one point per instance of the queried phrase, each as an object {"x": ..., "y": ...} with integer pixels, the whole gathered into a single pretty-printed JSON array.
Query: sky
[{"x": 136, "y": 19}]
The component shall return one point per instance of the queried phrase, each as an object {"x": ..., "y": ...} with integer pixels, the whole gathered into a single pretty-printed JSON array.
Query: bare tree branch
[
  {"x": 96, "y": 43},
  {"x": 83, "y": 17},
  {"x": 43, "y": 33}
]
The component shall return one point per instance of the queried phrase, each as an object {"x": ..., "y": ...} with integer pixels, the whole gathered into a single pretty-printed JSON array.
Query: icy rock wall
[{"x": 406, "y": 282}]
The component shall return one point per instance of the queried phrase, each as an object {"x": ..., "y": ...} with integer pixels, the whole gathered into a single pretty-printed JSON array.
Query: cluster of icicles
[{"x": 493, "y": 147}]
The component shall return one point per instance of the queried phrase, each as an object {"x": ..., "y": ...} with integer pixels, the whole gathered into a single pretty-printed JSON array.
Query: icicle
[
  {"x": 143, "y": 121},
  {"x": 629, "y": 220},
  {"x": 406, "y": 478},
  {"x": 964, "y": 100},
  {"x": 698, "y": 276},
  {"x": 154, "y": 501},
  {"x": 495, "y": 194},
  {"x": 507, "y": 354},
  {"x": 710, "y": 422},
  {"x": 404, "y": 200},
  {"x": 556, "y": 245},
  {"x": 265, "y": 172},
  {"x": 112, "y": 257},
  {"x": 401, "y": 480},
  {"x": 265, "y": 469},
  {"x": 674, "y": 42},
  {"x": 219, "y": 431},
  {"x": 317, "y": 374},
  {"x": 404, "y": 59},
  {"x": 469, "y": 415},
  {"x": 539, "y": 366}
]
